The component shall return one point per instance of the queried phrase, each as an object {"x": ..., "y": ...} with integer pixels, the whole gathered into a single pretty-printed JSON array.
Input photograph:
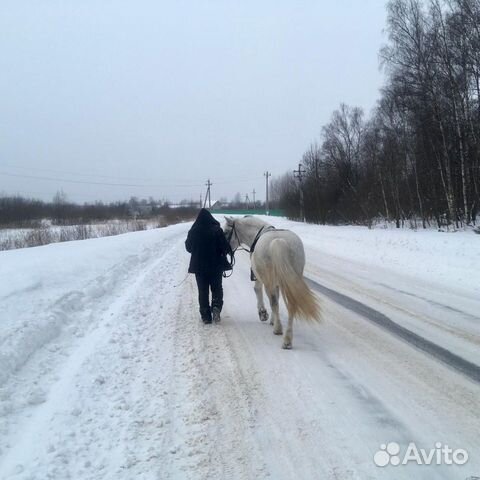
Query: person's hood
[{"x": 205, "y": 219}]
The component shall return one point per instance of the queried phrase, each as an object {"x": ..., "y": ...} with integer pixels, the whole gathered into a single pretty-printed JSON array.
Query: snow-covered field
[
  {"x": 12, "y": 238},
  {"x": 107, "y": 373}
]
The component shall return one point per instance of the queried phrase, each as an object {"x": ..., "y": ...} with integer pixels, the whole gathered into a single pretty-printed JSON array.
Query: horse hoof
[
  {"x": 278, "y": 332},
  {"x": 263, "y": 315},
  {"x": 287, "y": 346}
]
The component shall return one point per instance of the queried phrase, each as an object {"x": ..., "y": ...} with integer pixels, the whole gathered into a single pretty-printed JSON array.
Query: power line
[
  {"x": 83, "y": 182},
  {"x": 66, "y": 172},
  {"x": 114, "y": 184},
  {"x": 220, "y": 180},
  {"x": 237, "y": 180}
]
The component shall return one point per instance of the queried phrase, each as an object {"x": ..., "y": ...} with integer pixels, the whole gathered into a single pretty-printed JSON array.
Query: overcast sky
[{"x": 160, "y": 95}]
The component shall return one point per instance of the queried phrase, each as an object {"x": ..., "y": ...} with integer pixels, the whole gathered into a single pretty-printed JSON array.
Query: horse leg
[
  {"x": 287, "y": 338},
  {"x": 262, "y": 311},
  {"x": 277, "y": 324}
]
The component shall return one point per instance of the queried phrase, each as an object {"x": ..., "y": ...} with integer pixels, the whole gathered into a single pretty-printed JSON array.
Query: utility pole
[
  {"x": 208, "y": 185},
  {"x": 266, "y": 175},
  {"x": 253, "y": 193},
  {"x": 247, "y": 201},
  {"x": 299, "y": 174},
  {"x": 201, "y": 200}
]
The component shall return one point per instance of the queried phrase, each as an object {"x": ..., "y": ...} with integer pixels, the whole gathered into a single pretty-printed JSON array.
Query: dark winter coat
[{"x": 208, "y": 245}]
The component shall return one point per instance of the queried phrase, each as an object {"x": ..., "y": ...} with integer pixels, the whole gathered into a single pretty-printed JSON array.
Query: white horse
[{"x": 277, "y": 261}]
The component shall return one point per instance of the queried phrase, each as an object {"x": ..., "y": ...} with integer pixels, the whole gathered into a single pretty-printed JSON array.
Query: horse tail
[{"x": 299, "y": 299}]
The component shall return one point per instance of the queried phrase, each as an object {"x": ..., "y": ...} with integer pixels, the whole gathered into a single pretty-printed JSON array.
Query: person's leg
[
  {"x": 217, "y": 295},
  {"x": 203, "y": 297}
]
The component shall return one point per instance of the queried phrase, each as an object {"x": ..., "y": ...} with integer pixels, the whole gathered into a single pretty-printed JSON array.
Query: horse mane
[{"x": 255, "y": 221}]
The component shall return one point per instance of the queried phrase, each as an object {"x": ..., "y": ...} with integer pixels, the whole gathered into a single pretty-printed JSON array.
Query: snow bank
[
  {"x": 53, "y": 289},
  {"x": 448, "y": 259}
]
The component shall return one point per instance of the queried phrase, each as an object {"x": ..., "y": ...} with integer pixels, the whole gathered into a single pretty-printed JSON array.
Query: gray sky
[{"x": 165, "y": 94}]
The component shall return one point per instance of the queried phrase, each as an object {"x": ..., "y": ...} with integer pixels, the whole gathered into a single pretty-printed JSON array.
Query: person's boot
[
  {"x": 206, "y": 315},
  {"x": 216, "y": 314}
]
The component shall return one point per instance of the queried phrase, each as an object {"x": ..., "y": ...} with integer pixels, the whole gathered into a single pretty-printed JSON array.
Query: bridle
[{"x": 233, "y": 231}]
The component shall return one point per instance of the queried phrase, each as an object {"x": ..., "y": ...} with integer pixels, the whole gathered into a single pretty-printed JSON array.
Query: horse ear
[{"x": 229, "y": 220}]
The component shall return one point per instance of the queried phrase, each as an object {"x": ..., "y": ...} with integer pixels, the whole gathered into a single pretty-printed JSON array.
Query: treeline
[
  {"x": 417, "y": 157},
  {"x": 17, "y": 211}
]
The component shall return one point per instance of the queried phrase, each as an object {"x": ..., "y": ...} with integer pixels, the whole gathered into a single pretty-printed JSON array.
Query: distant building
[
  {"x": 140, "y": 210},
  {"x": 216, "y": 205}
]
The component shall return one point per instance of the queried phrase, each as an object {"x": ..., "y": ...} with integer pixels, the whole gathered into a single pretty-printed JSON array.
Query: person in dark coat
[{"x": 209, "y": 248}]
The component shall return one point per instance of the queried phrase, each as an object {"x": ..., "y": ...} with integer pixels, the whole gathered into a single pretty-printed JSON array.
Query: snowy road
[{"x": 106, "y": 371}]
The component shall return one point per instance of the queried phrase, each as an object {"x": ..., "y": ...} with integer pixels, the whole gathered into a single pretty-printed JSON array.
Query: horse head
[{"x": 231, "y": 233}]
